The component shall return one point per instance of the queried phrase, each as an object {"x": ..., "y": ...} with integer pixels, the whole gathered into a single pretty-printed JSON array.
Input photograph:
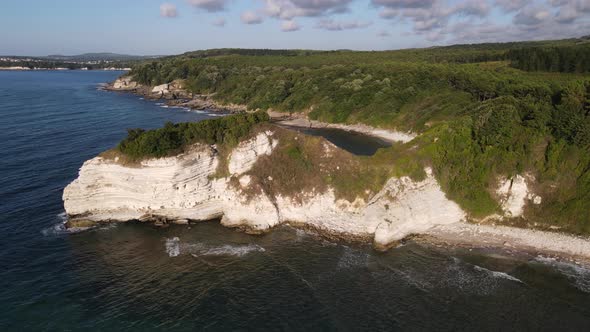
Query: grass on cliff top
[
  {"x": 172, "y": 139},
  {"x": 303, "y": 165}
]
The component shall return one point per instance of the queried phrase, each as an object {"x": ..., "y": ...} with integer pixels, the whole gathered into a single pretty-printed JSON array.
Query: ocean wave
[
  {"x": 497, "y": 274},
  {"x": 579, "y": 275},
  {"x": 55, "y": 230},
  {"x": 108, "y": 226},
  {"x": 232, "y": 250},
  {"x": 471, "y": 278},
  {"x": 352, "y": 258},
  {"x": 300, "y": 234},
  {"x": 174, "y": 247},
  {"x": 59, "y": 228}
]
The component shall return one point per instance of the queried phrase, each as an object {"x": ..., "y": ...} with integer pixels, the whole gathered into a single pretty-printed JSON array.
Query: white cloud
[
  {"x": 532, "y": 15},
  {"x": 383, "y": 34},
  {"x": 288, "y": 9},
  {"x": 389, "y": 13},
  {"x": 434, "y": 20},
  {"x": 209, "y": 5},
  {"x": 219, "y": 22},
  {"x": 472, "y": 8},
  {"x": 570, "y": 11},
  {"x": 511, "y": 5},
  {"x": 250, "y": 17},
  {"x": 430, "y": 15},
  {"x": 332, "y": 25},
  {"x": 168, "y": 10},
  {"x": 404, "y": 3},
  {"x": 466, "y": 32},
  {"x": 289, "y": 26}
]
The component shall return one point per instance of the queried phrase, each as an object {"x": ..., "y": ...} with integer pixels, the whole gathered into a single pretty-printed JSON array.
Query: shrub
[{"x": 173, "y": 138}]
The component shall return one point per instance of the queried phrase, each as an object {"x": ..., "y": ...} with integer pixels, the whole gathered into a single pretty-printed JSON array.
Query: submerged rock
[{"x": 80, "y": 223}]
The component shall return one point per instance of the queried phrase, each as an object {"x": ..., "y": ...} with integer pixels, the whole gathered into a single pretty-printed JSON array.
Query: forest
[
  {"x": 566, "y": 59},
  {"x": 481, "y": 111}
]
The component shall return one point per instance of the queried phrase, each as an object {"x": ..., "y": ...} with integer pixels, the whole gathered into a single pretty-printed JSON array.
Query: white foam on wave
[
  {"x": 300, "y": 234},
  {"x": 471, "y": 278},
  {"x": 59, "y": 228},
  {"x": 233, "y": 250},
  {"x": 56, "y": 229},
  {"x": 108, "y": 227},
  {"x": 352, "y": 258},
  {"x": 497, "y": 274},
  {"x": 576, "y": 273},
  {"x": 173, "y": 247}
]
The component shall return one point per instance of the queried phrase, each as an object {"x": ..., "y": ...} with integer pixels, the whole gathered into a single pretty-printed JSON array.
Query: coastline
[
  {"x": 60, "y": 69},
  {"x": 555, "y": 245},
  {"x": 561, "y": 246},
  {"x": 524, "y": 240},
  {"x": 174, "y": 95},
  {"x": 454, "y": 234}
]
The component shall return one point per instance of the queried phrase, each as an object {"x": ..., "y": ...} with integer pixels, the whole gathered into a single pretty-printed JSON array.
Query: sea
[{"x": 204, "y": 277}]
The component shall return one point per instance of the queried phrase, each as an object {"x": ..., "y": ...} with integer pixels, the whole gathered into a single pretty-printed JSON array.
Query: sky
[{"x": 162, "y": 27}]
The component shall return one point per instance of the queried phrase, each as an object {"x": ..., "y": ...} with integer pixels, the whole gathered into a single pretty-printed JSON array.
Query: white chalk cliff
[
  {"x": 183, "y": 187},
  {"x": 514, "y": 194}
]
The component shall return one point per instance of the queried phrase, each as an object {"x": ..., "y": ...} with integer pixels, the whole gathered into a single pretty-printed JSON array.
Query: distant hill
[{"x": 99, "y": 57}]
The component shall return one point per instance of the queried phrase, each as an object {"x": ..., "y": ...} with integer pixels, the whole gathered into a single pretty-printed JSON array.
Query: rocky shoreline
[{"x": 174, "y": 94}]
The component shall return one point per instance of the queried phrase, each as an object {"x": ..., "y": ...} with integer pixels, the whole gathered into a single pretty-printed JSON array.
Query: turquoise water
[{"x": 135, "y": 277}]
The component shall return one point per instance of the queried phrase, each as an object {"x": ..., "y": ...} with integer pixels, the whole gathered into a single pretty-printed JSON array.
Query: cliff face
[{"x": 185, "y": 187}]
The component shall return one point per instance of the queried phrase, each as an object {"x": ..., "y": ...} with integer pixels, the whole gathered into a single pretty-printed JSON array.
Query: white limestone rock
[
  {"x": 161, "y": 89},
  {"x": 125, "y": 83},
  {"x": 182, "y": 188},
  {"x": 514, "y": 193},
  {"x": 246, "y": 153},
  {"x": 404, "y": 207}
]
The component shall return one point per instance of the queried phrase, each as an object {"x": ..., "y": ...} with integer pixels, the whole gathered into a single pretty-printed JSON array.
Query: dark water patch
[{"x": 353, "y": 142}]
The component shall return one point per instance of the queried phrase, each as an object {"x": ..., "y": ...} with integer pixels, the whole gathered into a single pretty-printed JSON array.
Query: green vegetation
[
  {"x": 173, "y": 138},
  {"x": 303, "y": 164},
  {"x": 482, "y": 112},
  {"x": 566, "y": 59}
]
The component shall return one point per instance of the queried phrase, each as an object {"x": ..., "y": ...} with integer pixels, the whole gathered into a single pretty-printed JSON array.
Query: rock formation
[
  {"x": 124, "y": 83},
  {"x": 185, "y": 187}
]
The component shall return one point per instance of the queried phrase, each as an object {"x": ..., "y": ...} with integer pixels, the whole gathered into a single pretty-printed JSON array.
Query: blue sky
[{"x": 40, "y": 27}]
